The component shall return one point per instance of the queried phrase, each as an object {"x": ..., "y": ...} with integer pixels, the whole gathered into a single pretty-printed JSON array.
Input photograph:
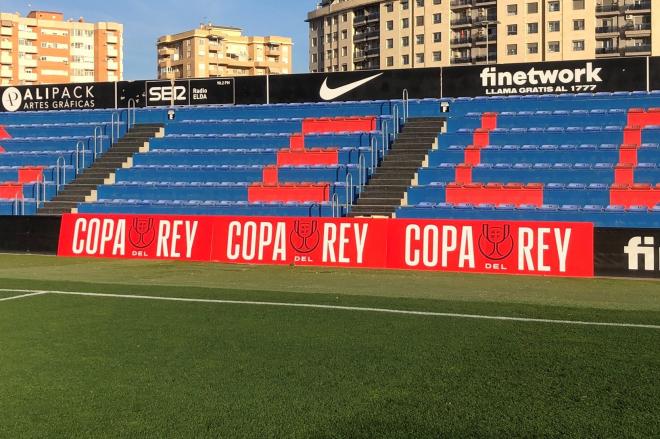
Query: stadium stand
[
  {"x": 577, "y": 157},
  {"x": 587, "y": 158}
]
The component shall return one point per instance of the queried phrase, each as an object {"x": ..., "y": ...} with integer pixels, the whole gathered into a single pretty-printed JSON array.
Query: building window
[
  {"x": 578, "y": 24},
  {"x": 315, "y": 42},
  {"x": 314, "y": 58},
  {"x": 437, "y": 18},
  {"x": 553, "y": 6},
  {"x": 554, "y": 26},
  {"x": 405, "y": 41},
  {"x": 390, "y": 25},
  {"x": 405, "y": 60},
  {"x": 578, "y": 45},
  {"x": 578, "y": 5},
  {"x": 512, "y": 29},
  {"x": 404, "y": 5},
  {"x": 512, "y": 9},
  {"x": 512, "y": 49},
  {"x": 419, "y": 20},
  {"x": 390, "y": 43},
  {"x": 389, "y": 7},
  {"x": 437, "y": 56},
  {"x": 437, "y": 37},
  {"x": 533, "y": 48},
  {"x": 419, "y": 39},
  {"x": 420, "y": 3},
  {"x": 389, "y": 61},
  {"x": 419, "y": 58},
  {"x": 405, "y": 23},
  {"x": 553, "y": 47},
  {"x": 533, "y": 8},
  {"x": 344, "y": 17},
  {"x": 344, "y": 51},
  {"x": 532, "y": 28},
  {"x": 344, "y": 34}
]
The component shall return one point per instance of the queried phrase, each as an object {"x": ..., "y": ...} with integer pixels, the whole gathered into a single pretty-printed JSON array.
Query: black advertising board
[
  {"x": 32, "y": 234},
  {"x": 58, "y": 97},
  {"x": 251, "y": 90},
  {"x": 654, "y": 72},
  {"x": 127, "y": 90},
  {"x": 189, "y": 92},
  {"x": 589, "y": 76},
  {"x": 627, "y": 252},
  {"x": 355, "y": 86}
]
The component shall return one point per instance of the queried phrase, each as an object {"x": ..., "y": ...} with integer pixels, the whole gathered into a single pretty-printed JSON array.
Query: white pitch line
[
  {"x": 22, "y": 296},
  {"x": 338, "y": 308}
]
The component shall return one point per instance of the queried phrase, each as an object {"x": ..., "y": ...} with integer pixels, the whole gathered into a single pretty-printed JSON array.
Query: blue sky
[{"x": 145, "y": 21}]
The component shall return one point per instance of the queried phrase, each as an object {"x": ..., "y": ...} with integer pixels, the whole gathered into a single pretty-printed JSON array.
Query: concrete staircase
[
  {"x": 387, "y": 188},
  {"x": 120, "y": 155}
]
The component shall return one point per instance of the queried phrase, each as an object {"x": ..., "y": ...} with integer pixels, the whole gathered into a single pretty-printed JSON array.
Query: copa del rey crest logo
[
  {"x": 496, "y": 242},
  {"x": 142, "y": 233},
  {"x": 305, "y": 236}
]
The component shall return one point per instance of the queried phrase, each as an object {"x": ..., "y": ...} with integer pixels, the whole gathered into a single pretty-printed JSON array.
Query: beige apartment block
[
  {"x": 44, "y": 48},
  {"x": 349, "y": 35},
  {"x": 214, "y": 51}
]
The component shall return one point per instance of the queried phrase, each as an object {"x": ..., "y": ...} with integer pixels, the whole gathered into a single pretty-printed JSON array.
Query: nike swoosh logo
[{"x": 328, "y": 94}]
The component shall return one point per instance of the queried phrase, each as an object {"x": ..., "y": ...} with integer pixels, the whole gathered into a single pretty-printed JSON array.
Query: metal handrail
[
  {"x": 57, "y": 173},
  {"x": 80, "y": 150},
  {"x": 362, "y": 169},
  {"x": 132, "y": 121},
  {"x": 406, "y": 104},
  {"x": 349, "y": 191},
  {"x": 98, "y": 140},
  {"x": 19, "y": 202},
  {"x": 336, "y": 207},
  {"x": 374, "y": 153},
  {"x": 395, "y": 116},
  {"x": 116, "y": 118}
]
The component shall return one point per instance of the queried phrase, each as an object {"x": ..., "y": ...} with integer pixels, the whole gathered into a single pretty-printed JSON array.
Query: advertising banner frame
[
  {"x": 627, "y": 252},
  {"x": 469, "y": 246}
]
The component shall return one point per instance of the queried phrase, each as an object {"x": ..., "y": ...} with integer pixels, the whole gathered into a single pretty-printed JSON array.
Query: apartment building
[
  {"x": 349, "y": 35},
  {"x": 214, "y": 51},
  {"x": 44, "y": 48}
]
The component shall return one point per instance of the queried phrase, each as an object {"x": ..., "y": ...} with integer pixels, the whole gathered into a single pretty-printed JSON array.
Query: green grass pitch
[{"x": 92, "y": 366}]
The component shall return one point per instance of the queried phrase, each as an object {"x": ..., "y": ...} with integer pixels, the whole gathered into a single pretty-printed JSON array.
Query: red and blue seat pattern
[{"x": 580, "y": 158}]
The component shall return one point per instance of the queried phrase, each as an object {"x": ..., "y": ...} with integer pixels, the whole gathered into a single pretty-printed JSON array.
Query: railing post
[
  {"x": 98, "y": 138},
  {"x": 406, "y": 103}
]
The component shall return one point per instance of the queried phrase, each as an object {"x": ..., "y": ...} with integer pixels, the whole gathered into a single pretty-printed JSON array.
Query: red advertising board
[
  {"x": 555, "y": 249},
  {"x": 552, "y": 249},
  {"x": 137, "y": 237}
]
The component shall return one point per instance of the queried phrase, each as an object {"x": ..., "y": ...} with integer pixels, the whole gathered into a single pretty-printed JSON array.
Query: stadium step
[
  {"x": 386, "y": 189},
  {"x": 86, "y": 182}
]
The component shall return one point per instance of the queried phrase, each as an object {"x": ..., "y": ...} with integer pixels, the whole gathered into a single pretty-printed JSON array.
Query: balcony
[
  {"x": 363, "y": 36},
  {"x": 28, "y": 49},
  {"x": 25, "y": 35},
  {"x": 6, "y": 73},
  {"x": 637, "y": 28},
  {"x": 22, "y": 76},
  {"x": 638, "y": 50},
  {"x": 6, "y": 31},
  {"x": 462, "y": 41},
  {"x": 608, "y": 51},
  {"x": 112, "y": 52},
  {"x": 365, "y": 54},
  {"x": 458, "y": 4},
  {"x": 6, "y": 45},
  {"x": 607, "y": 9},
  {"x": 6, "y": 59},
  {"x": 361, "y": 20},
  {"x": 113, "y": 65},
  {"x": 492, "y": 58},
  {"x": 607, "y": 30},
  {"x": 461, "y": 60},
  {"x": 644, "y": 6},
  {"x": 112, "y": 39},
  {"x": 481, "y": 39},
  {"x": 25, "y": 62},
  {"x": 461, "y": 22}
]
